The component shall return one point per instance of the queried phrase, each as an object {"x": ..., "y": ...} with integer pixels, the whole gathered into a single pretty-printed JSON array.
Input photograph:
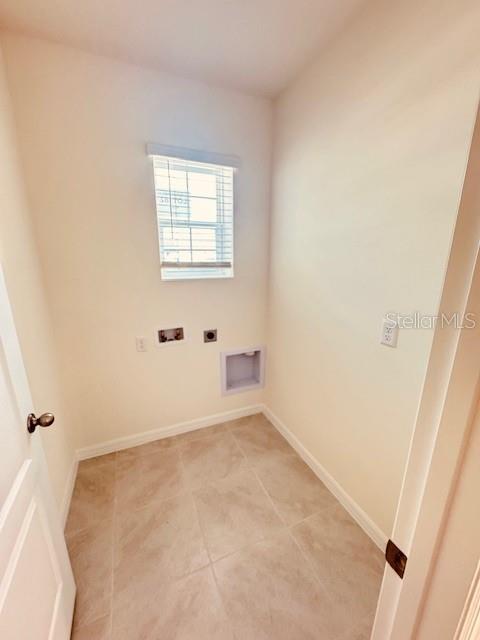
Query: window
[{"x": 194, "y": 203}]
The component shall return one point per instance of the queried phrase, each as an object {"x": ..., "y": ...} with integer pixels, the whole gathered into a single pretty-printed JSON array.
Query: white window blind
[{"x": 194, "y": 203}]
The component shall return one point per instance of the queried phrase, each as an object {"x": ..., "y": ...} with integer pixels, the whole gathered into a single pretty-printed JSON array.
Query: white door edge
[
  {"x": 446, "y": 409},
  {"x": 469, "y": 625}
]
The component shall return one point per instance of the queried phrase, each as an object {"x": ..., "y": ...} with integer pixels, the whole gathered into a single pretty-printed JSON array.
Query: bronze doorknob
[{"x": 45, "y": 420}]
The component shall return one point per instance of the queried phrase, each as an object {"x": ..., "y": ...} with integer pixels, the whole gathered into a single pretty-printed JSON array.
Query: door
[
  {"x": 444, "y": 422},
  {"x": 457, "y": 556},
  {"x": 469, "y": 625},
  {"x": 37, "y": 590}
]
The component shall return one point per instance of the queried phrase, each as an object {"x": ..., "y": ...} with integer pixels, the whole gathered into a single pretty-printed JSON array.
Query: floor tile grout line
[
  {"x": 328, "y": 507},
  {"x": 248, "y": 459},
  {"x": 88, "y": 623},
  {"x": 189, "y": 491},
  {"x": 206, "y": 483},
  {"x": 189, "y": 488},
  {"x": 310, "y": 565},
  {"x": 323, "y": 587},
  {"x": 250, "y": 464},
  {"x": 115, "y": 462},
  {"x": 222, "y": 601},
  {"x": 290, "y": 534},
  {"x": 234, "y": 440},
  {"x": 70, "y": 535},
  {"x": 346, "y": 634},
  {"x": 269, "y": 497},
  {"x": 68, "y": 532},
  {"x": 283, "y": 526},
  {"x": 282, "y": 519},
  {"x": 251, "y": 467},
  {"x": 265, "y": 490},
  {"x": 251, "y": 543},
  {"x": 173, "y": 447},
  {"x": 227, "y": 430},
  {"x": 210, "y": 564},
  {"x": 114, "y": 542},
  {"x": 228, "y": 427},
  {"x": 195, "y": 506},
  {"x": 313, "y": 570},
  {"x": 277, "y": 512}
]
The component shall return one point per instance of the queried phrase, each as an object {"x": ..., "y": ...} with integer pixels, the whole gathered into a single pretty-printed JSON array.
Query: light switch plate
[
  {"x": 141, "y": 343},
  {"x": 389, "y": 336}
]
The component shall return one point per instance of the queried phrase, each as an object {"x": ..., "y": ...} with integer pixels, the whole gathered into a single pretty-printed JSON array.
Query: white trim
[
  {"x": 195, "y": 155},
  {"x": 164, "y": 432},
  {"x": 117, "y": 444},
  {"x": 68, "y": 493},
  {"x": 469, "y": 625},
  {"x": 357, "y": 513}
]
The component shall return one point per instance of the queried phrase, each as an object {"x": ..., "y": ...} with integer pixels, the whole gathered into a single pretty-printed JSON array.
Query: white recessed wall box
[{"x": 242, "y": 369}]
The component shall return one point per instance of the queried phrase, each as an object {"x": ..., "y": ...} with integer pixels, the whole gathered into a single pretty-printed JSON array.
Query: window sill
[{"x": 176, "y": 277}]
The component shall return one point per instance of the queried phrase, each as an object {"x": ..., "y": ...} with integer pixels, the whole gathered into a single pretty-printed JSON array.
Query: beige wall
[
  {"x": 370, "y": 149},
  {"x": 18, "y": 256},
  {"x": 371, "y": 144},
  {"x": 83, "y": 124},
  {"x": 458, "y": 553}
]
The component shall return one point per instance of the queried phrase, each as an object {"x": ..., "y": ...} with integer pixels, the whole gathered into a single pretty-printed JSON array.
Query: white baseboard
[
  {"x": 164, "y": 432},
  {"x": 67, "y": 496},
  {"x": 117, "y": 444},
  {"x": 357, "y": 513}
]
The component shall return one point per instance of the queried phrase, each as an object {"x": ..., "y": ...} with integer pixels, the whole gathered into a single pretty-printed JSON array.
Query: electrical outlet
[
  {"x": 141, "y": 343},
  {"x": 389, "y": 335},
  {"x": 210, "y": 335}
]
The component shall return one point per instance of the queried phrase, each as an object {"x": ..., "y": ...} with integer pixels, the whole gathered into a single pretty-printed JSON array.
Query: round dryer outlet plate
[{"x": 210, "y": 335}]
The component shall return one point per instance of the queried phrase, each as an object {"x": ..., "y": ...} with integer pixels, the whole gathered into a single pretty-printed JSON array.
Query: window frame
[{"x": 176, "y": 273}]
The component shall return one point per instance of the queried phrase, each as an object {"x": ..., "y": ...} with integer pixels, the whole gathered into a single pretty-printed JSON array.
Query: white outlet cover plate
[
  {"x": 141, "y": 343},
  {"x": 389, "y": 335}
]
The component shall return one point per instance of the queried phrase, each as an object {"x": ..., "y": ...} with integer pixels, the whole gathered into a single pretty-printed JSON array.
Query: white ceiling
[{"x": 255, "y": 46}]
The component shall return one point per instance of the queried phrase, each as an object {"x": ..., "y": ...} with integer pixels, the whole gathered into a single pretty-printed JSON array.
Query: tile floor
[{"x": 219, "y": 534}]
